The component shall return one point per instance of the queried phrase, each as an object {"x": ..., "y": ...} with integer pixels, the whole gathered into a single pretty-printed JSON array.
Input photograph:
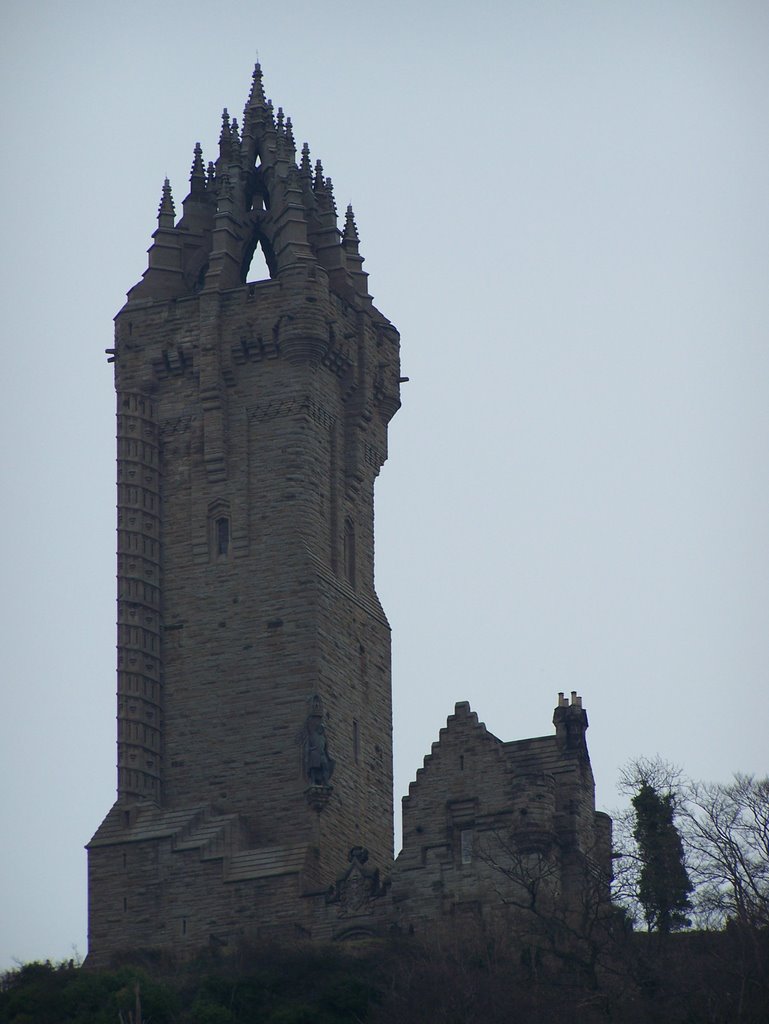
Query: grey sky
[{"x": 564, "y": 209}]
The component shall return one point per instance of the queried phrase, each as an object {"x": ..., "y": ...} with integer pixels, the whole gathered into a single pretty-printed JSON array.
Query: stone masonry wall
[{"x": 284, "y": 448}]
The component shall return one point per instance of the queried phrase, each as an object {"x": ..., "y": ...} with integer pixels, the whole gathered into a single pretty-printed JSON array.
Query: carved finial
[
  {"x": 198, "y": 172},
  {"x": 279, "y": 121},
  {"x": 226, "y": 134},
  {"x": 166, "y": 210},
  {"x": 270, "y": 112},
  {"x": 329, "y": 186},
  {"x": 256, "y": 96},
  {"x": 319, "y": 180},
  {"x": 235, "y": 131},
  {"x": 350, "y": 233},
  {"x": 290, "y": 133},
  {"x": 211, "y": 180},
  {"x": 305, "y": 166}
]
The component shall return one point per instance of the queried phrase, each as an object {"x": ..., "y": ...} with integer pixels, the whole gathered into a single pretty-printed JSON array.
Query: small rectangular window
[
  {"x": 466, "y": 845},
  {"x": 222, "y": 536}
]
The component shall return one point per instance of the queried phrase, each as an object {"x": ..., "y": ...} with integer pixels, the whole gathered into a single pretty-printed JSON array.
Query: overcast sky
[{"x": 565, "y": 210}]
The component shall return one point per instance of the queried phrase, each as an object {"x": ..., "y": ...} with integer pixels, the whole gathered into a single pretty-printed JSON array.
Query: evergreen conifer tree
[{"x": 664, "y": 881}]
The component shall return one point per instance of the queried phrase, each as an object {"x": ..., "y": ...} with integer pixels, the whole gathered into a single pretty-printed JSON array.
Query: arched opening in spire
[{"x": 259, "y": 263}]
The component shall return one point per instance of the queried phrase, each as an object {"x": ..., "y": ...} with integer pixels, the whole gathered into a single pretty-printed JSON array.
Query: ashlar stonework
[{"x": 254, "y": 793}]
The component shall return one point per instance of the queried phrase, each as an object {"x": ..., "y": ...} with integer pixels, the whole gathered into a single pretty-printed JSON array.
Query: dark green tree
[{"x": 664, "y": 884}]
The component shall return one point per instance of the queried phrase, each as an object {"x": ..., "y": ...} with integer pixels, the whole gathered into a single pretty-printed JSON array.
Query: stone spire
[
  {"x": 225, "y": 137},
  {"x": 352, "y": 257},
  {"x": 166, "y": 210},
  {"x": 350, "y": 237},
  {"x": 256, "y": 97},
  {"x": 319, "y": 181},
  {"x": 198, "y": 172},
  {"x": 305, "y": 168}
]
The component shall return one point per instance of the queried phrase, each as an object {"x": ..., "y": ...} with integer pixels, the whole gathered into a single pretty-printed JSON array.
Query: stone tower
[{"x": 253, "y": 676}]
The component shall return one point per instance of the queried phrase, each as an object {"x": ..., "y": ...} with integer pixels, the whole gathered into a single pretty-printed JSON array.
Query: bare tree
[
  {"x": 557, "y": 905},
  {"x": 727, "y": 837}
]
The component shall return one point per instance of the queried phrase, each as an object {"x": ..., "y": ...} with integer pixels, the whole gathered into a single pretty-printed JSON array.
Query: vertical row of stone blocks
[{"x": 138, "y": 606}]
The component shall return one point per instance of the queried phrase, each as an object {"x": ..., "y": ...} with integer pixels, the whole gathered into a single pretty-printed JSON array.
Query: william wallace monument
[{"x": 254, "y": 794}]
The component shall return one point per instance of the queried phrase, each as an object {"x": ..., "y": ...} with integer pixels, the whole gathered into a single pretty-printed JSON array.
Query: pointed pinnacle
[
  {"x": 256, "y": 96},
  {"x": 350, "y": 227},
  {"x": 225, "y": 134},
  {"x": 198, "y": 172},
  {"x": 290, "y": 133},
  {"x": 211, "y": 180},
  {"x": 305, "y": 165},
  {"x": 279, "y": 120},
  {"x": 166, "y": 208},
  {"x": 235, "y": 131},
  {"x": 318, "y": 183}
]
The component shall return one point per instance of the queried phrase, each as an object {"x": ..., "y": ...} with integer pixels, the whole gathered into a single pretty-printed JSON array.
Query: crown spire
[{"x": 256, "y": 97}]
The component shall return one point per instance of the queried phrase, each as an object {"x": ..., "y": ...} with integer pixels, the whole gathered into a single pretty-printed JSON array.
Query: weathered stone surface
[
  {"x": 252, "y": 422},
  {"x": 254, "y": 692}
]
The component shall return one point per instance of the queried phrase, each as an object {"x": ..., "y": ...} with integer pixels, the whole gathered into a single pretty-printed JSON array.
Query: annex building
[{"x": 254, "y": 790}]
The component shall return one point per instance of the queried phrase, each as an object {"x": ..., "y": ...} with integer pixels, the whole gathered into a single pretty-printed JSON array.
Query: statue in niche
[{"x": 318, "y": 765}]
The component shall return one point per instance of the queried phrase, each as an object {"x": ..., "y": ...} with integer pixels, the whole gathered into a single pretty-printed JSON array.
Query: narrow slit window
[
  {"x": 349, "y": 551},
  {"x": 222, "y": 536}
]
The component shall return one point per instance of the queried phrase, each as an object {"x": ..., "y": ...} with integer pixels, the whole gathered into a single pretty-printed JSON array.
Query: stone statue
[{"x": 318, "y": 765}]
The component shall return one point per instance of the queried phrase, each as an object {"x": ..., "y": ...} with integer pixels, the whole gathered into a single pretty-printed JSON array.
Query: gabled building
[{"x": 489, "y": 825}]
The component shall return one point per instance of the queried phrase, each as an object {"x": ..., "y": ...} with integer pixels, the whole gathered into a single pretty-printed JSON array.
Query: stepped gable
[{"x": 461, "y": 727}]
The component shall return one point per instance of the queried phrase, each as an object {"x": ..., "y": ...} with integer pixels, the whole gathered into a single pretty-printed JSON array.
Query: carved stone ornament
[
  {"x": 357, "y": 888},
  {"x": 318, "y": 796}
]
